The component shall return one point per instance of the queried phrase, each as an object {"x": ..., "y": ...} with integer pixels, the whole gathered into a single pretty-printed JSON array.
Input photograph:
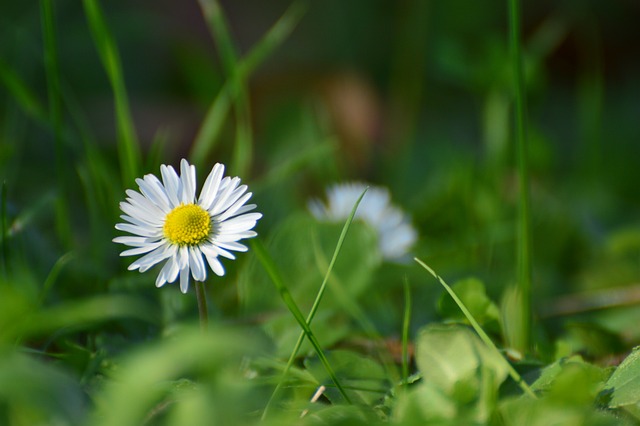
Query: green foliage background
[{"x": 295, "y": 95}]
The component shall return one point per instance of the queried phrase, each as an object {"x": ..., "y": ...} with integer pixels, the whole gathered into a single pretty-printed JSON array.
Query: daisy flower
[
  {"x": 169, "y": 224},
  {"x": 396, "y": 235}
]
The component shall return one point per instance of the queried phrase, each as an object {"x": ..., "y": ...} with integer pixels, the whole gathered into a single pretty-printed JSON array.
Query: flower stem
[{"x": 202, "y": 305}]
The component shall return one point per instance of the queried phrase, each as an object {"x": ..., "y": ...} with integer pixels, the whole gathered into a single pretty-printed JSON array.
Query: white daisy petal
[
  {"x": 134, "y": 241},
  {"x": 223, "y": 195},
  {"x": 198, "y": 271},
  {"x": 227, "y": 238},
  {"x": 137, "y": 230},
  {"x": 396, "y": 236},
  {"x": 150, "y": 259},
  {"x": 233, "y": 207},
  {"x": 184, "y": 279},
  {"x": 171, "y": 184},
  {"x": 232, "y": 245},
  {"x": 166, "y": 224},
  {"x": 188, "y": 182},
  {"x": 215, "y": 265},
  {"x": 140, "y": 250},
  {"x": 152, "y": 188},
  {"x": 139, "y": 201},
  {"x": 163, "y": 276},
  {"x": 211, "y": 186}
]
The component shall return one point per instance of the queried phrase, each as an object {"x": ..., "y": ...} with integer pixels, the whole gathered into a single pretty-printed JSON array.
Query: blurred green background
[{"x": 412, "y": 95}]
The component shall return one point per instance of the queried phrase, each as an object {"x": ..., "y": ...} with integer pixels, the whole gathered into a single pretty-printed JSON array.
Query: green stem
[
  {"x": 405, "y": 331},
  {"x": 523, "y": 342},
  {"x": 202, "y": 305}
]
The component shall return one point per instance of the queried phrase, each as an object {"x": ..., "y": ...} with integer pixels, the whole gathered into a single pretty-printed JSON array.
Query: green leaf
[
  {"x": 455, "y": 361},
  {"x": 624, "y": 383},
  {"x": 33, "y": 392},
  {"x": 473, "y": 294}
]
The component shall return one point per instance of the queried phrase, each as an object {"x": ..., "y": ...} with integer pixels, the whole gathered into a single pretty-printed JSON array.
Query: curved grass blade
[
  {"x": 272, "y": 270},
  {"x": 22, "y": 94},
  {"x": 355, "y": 311},
  {"x": 485, "y": 338},
  {"x": 312, "y": 312},
  {"x": 222, "y": 37},
  {"x": 128, "y": 147},
  {"x": 207, "y": 136},
  {"x": 52, "y": 71}
]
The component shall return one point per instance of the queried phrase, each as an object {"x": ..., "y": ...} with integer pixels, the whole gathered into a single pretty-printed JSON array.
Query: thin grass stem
[
  {"x": 128, "y": 146},
  {"x": 207, "y": 136},
  {"x": 203, "y": 311},
  {"x": 315, "y": 306},
  {"x": 52, "y": 71},
  {"x": 272, "y": 270},
  {"x": 4, "y": 229},
  {"x": 483, "y": 336},
  {"x": 222, "y": 37},
  {"x": 405, "y": 330},
  {"x": 524, "y": 283}
]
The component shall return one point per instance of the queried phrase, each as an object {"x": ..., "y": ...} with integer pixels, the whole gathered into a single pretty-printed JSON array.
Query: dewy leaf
[{"x": 624, "y": 383}]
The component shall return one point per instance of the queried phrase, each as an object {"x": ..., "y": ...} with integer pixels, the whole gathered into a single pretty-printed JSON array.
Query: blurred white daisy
[
  {"x": 170, "y": 224},
  {"x": 396, "y": 235}
]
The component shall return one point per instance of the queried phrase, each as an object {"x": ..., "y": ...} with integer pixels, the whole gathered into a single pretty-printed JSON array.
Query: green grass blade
[
  {"x": 128, "y": 146},
  {"x": 352, "y": 308},
  {"x": 272, "y": 270},
  {"x": 4, "y": 229},
  {"x": 63, "y": 222},
  {"x": 314, "y": 308},
  {"x": 524, "y": 210},
  {"x": 406, "y": 320},
  {"x": 207, "y": 136},
  {"x": 53, "y": 275},
  {"x": 485, "y": 338},
  {"x": 23, "y": 95},
  {"x": 222, "y": 37}
]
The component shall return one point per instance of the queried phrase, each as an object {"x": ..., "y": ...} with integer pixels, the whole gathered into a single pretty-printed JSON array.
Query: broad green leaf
[
  {"x": 34, "y": 392},
  {"x": 545, "y": 412},
  {"x": 624, "y": 383},
  {"x": 150, "y": 383},
  {"x": 458, "y": 364}
]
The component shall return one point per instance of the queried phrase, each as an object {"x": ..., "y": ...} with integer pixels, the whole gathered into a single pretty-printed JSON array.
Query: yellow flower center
[{"x": 187, "y": 225}]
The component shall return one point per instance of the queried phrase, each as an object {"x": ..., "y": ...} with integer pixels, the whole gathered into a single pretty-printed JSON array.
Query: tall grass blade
[
  {"x": 272, "y": 270},
  {"x": 53, "y": 275},
  {"x": 52, "y": 70},
  {"x": 406, "y": 320},
  {"x": 22, "y": 94},
  {"x": 207, "y": 136},
  {"x": 316, "y": 304},
  {"x": 523, "y": 342},
  {"x": 4, "y": 229},
  {"x": 485, "y": 338},
  {"x": 128, "y": 146},
  {"x": 222, "y": 37},
  {"x": 352, "y": 308}
]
